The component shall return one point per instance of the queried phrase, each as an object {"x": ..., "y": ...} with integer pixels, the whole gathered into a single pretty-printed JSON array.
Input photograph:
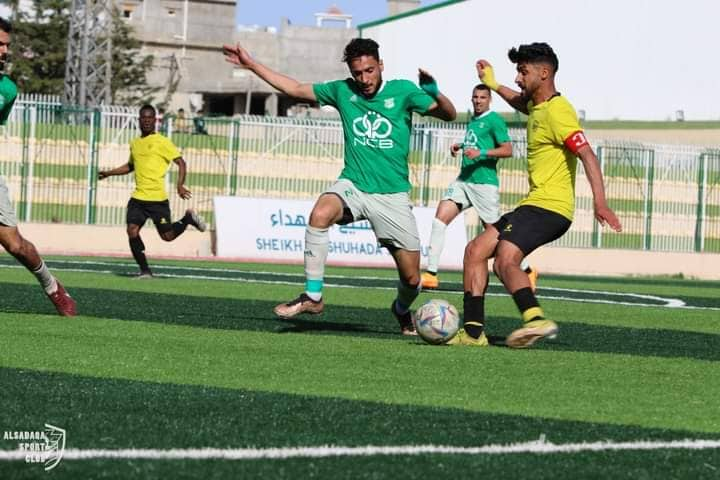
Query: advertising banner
[{"x": 262, "y": 229}]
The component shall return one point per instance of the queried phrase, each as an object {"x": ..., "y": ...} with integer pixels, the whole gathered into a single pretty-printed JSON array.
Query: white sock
[
  {"x": 437, "y": 242},
  {"x": 45, "y": 278},
  {"x": 316, "y": 252}
]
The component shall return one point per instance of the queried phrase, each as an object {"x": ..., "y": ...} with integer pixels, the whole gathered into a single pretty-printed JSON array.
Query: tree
[
  {"x": 129, "y": 79},
  {"x": 39, "y": 47},
  {"x": 39, "y": 52}
]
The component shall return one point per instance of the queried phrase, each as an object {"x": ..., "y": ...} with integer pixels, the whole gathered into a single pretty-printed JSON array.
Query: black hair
[
  {"x": 482, "y": 86},
  {"x": 359, "y": 47},
  {"x": 5, "y": 25},
  {"x": 147, "y": 106},
  {"x": 534, "y": 53}
]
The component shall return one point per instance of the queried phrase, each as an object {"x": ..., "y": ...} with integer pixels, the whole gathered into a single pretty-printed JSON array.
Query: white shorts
[
  {"x": 390, "y": 214},
  {"x": 7, "y": 211},
  {"x": 485, "y": 198}
]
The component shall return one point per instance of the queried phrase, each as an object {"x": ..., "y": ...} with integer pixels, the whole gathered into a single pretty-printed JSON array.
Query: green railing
[{"x": 667, "y": 196}]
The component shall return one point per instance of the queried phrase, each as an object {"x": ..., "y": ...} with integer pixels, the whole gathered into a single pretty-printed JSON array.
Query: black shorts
[
  {"x": 529, "y": 227},
  {"x": 138, "y": 211}
]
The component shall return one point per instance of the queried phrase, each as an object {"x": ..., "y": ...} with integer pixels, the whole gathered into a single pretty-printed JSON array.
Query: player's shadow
[
  {"x": 256, "y": 315},
  {"x": 205, "y": 312},
  {"x": 317, "y": 323}
]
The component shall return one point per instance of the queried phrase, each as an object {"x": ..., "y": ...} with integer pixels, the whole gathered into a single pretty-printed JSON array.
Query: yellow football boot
[
  {"x": 462, "y": 338},
  {"x": 531, "y": 332}
]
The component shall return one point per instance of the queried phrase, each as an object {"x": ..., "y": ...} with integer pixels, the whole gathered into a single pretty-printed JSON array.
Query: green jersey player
[
  {"x": 486, "y": 141},
  {"x": 376, "y": 117},
  {"x": 10, "y": 237}
]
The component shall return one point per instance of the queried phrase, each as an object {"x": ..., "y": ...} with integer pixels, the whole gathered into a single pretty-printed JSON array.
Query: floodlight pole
[{"x": 88, "y": 67}]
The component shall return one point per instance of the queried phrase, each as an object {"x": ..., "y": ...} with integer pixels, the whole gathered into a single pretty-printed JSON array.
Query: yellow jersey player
[
  {"x": 555, "y": 141},
  {"x": 150, "y": 157},
  {"x": 15, "y": 244},
  {"x": 486, "y": 141}
]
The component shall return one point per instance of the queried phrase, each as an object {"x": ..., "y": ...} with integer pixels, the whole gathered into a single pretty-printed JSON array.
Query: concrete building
[{"x": 185, "y": 37}]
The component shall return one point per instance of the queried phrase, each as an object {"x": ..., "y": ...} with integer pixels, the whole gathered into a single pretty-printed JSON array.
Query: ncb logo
[{"x": 373, "y": 130}]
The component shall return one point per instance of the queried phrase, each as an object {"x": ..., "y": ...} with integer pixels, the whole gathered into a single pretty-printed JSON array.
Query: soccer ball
[{"x": 436, "y": 321}]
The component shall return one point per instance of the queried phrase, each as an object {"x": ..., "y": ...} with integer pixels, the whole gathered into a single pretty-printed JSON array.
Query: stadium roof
[{"x": 416, "y": 11}]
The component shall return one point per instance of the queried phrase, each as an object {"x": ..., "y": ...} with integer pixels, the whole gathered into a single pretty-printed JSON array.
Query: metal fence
[{"x": 667, "y": 196}]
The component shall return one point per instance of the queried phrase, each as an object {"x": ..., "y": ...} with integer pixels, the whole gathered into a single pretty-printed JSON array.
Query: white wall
[{"x": 627, "y": 59}]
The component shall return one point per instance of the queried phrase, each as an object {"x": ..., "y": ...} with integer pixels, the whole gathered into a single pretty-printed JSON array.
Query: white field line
[
  {"x": 536, "y": 447},
  {"x": 668, "y": 302}
]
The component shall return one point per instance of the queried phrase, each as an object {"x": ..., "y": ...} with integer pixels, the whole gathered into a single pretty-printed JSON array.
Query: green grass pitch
[{"x": 195, "y": 359}]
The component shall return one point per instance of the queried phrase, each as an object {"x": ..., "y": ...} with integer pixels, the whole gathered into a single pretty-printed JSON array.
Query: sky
[
  {"x": 268, "y": 13},
  {"x": 648, "y": 62}
]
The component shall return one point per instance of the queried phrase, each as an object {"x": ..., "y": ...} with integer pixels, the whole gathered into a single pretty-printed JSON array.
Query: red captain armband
[{"x": 575, "y": 141}]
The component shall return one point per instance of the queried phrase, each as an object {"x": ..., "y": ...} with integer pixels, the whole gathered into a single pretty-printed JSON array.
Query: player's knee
[
  {"x": 168, "y": 236},
  {"x": 411, "y": 279},
  {"x": 322, "y": 217},
  {"x": 474, "y": 252},
  {"x": 15, "y": 247}
]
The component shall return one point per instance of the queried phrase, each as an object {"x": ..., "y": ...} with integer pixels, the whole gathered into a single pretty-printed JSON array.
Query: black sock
[
  {"x": 527, "y": 304},
  {"x": 137, "y": 247},
  {"x": 525, "y": 299},
  {"x": 186, "y": 219},
  {"x": 474, "y": 314}
]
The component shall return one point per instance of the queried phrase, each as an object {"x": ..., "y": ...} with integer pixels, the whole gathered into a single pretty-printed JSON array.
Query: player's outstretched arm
[
  {"x": 487, "y": 75},
  {"x": 603, "y": 213},
  {"x": 121, "y": 170},
  {"x": 240, "y": 57},
  {"x": 182, "y": 192},
  {"x": 443, "y": 108}
]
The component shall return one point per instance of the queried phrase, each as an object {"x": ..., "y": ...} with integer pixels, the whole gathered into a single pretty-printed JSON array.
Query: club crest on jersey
[
  {"x": 470, "y": 138},
  {"x": 372, "y": 130},
  {"x": 353, "y": 98},
  {"x": 389, "y": 103}
]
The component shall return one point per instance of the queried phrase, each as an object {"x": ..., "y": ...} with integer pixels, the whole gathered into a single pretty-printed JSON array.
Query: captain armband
[{"x": 575, "y": 141}]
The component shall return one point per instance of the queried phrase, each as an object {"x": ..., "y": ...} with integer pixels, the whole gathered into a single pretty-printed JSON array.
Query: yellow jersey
[
  {"x": 150, "y": 157},
  {"x": 552, "y": 130}
]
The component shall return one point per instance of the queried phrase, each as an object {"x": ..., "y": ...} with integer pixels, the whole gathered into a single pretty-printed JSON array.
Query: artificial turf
[{"x": 181, "y": 362}]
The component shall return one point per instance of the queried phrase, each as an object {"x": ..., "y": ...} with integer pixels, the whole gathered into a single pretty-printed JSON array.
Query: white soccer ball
[{"x": 436, "y": 321}]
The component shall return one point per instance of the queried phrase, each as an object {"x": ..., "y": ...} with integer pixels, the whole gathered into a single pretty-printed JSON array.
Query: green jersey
[
  {"x": 8, "y": 94},
  {"x": 376, "y": 131},
  {"x": 485, "y": 131}
]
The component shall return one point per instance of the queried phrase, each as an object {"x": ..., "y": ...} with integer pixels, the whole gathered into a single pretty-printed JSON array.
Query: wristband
[
  {"x": 488, "y": 78},
  {"x": 483, "y": 154},
  {"x": 431, "y": 88}
]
